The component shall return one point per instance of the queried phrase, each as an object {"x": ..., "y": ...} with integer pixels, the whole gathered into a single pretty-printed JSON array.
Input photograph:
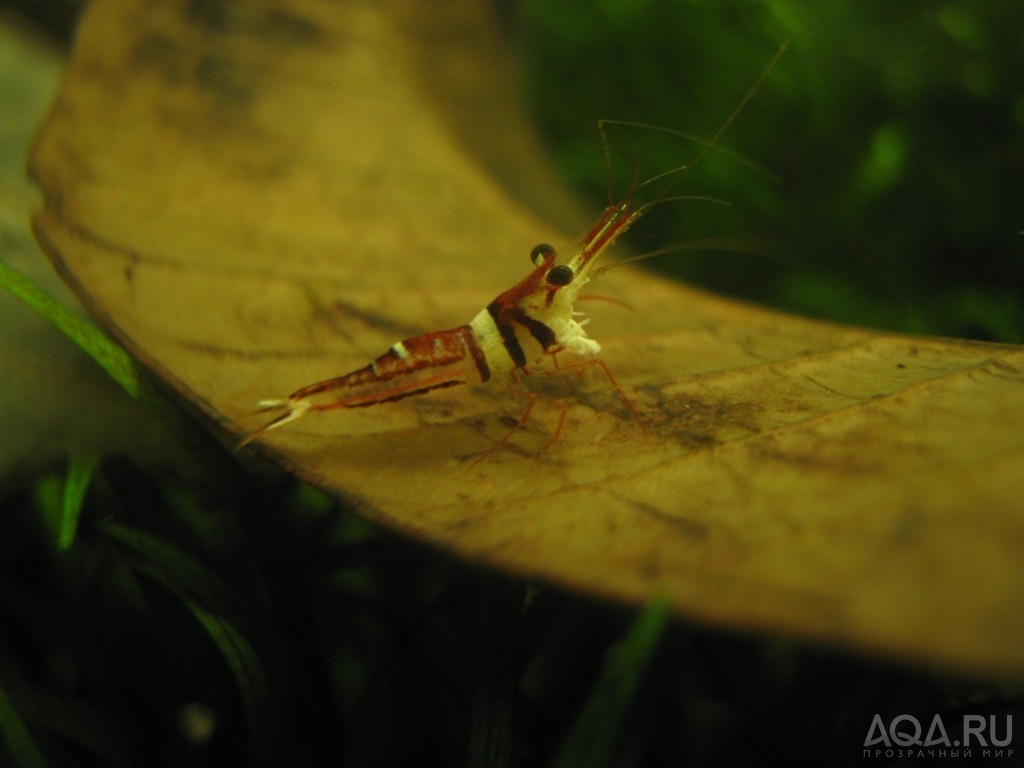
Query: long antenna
[
  {"x": 707, "y": 145},
  {"x": 743, "y": 103}
]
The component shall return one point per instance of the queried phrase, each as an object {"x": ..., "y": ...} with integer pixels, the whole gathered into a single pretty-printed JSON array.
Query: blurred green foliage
[
  {"x": 897, "y": 130},
  {"x": 279, "y": 629}
]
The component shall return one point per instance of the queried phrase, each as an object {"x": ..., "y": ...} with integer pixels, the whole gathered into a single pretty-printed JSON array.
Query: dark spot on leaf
[
  {"x": 219, "y": 76},
  {"x": 291, "y": 27},
  {"x": 212, "y": 14},
  {"x": 685, "y": 526}
]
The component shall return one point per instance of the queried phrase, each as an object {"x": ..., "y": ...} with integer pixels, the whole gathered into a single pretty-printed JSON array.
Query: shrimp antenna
[
  {"x": 706, "y": 145},
  {"x": 757, "y": 245},
  {"x": 713, "y": 141}
]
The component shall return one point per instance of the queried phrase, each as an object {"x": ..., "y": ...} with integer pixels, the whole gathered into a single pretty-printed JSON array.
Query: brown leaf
[{"x": 256, "y": 196}]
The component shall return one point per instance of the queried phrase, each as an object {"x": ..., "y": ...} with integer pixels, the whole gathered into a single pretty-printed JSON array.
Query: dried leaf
[{"x": 256, "y": 196}]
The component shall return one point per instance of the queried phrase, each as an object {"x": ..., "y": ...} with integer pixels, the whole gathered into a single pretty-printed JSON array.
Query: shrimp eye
[
  {"x": 560, "y": 275},
  {"x": 541, "y": 253}
]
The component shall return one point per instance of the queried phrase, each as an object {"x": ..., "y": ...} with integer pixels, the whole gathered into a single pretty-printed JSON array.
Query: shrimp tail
[{"x": 293, "y": 408}]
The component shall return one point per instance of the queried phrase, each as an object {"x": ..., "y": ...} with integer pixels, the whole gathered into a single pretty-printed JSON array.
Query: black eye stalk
[
  {"x": 542, "y": 253},
  {"x": 560, "y": 275}
]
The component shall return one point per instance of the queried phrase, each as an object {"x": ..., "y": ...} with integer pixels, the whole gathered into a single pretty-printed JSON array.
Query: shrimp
[
  {"x": 531, "y": 319},
  {"x": 534, "y": 318}
]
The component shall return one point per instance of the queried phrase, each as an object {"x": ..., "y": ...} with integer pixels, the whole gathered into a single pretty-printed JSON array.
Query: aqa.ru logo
[{"x": 905, "y": 731}]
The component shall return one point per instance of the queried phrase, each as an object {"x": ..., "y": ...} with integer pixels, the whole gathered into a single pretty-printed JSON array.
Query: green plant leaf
[
  {"x": 21, "y": 747},
  {"x": 123, "y": 369},
  {"x": 247, "y": 669},
  {"x": 74, "y": 720},
  {"x": 234, "y": 629},
  {"x": 593, "y": 739},
  {"x": 76, "y": 483},
  {"x": 110, "y": 356}
]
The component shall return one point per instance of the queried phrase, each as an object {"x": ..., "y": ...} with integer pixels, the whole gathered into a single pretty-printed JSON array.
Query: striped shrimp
[{"x": 532, "y": 319}]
